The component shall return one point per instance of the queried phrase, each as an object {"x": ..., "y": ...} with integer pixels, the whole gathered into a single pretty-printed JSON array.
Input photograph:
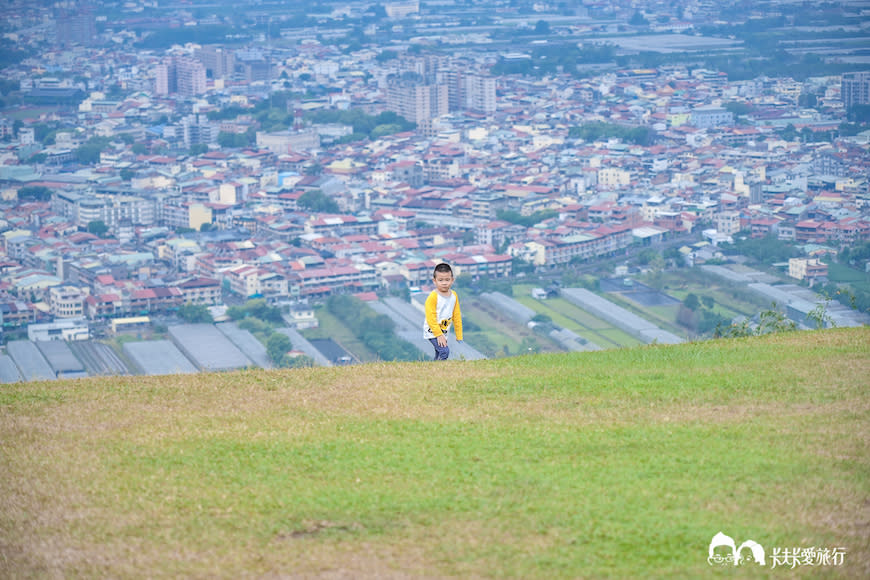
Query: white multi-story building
[
  {"x": 66, "y": 302},
  {"x": 283, "y": 142},
  {"x": 417, "y": 102},
  {"x": 112, "y": 210},
  {"x": 190, "y": 75},
  {"x": 479, "y": 93},
  {"x": 710, "y": 117},
  {"x": 728, "y": 222},
  {"x": 855, "y": 88},
  {"x": 69, "y": 329}
]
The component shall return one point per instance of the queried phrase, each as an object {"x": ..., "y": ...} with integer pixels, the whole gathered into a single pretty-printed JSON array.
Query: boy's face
[{"x": 443, "y": 281}]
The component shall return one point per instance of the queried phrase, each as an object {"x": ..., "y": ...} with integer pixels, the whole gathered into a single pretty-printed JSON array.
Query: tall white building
[
  {"x": 181, "y": 75},
  {"x": 417, "y": 102},
  {"x": 480, "y": 93},
  {"x": 191, "y": 76},
  {"x": 855, "y": 89}
]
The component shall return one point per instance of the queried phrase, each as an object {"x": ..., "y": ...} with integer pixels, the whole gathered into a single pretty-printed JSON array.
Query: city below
[{"x": 189, "y": 186}]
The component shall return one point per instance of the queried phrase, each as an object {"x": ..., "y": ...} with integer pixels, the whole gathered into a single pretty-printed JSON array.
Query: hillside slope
[{"x": 620, "y": 463}]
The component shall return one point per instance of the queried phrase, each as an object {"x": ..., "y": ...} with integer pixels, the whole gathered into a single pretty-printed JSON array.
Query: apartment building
[
  {"x": 201, "y": 290},
  {"x": 728, "y": 222},
  {"x": 190, "y": 76},
  {"x": 283, "y": 142},
  {"x": 66, "y": 302},
  {"x": 417, "y": 101},
  {"x": 710, "y": 117},
  {"x": 855, "y": 89},
  {"x": 329, "y": 279},
  {"x": 112, "y": 210},
  {"x": 103, "y": 305},
  {"x": 181, "y": 75},
  {"x": 219, "y": 61}
]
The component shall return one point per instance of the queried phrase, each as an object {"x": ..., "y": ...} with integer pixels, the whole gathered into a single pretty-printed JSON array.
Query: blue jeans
[{"x": 441, "y": 352}]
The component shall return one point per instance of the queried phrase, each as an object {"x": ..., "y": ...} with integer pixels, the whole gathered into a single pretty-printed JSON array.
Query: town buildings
[{"x": 210, "y": 159}]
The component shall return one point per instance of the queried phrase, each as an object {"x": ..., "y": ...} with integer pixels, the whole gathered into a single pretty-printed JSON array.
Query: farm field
[
  {"x": 733, "y": 301},
  {"x": 331, "y": 327},
  {"x": 663, "y": 317},
  {"x": 840, "y": 273},
  {"x": 498, "y": 334},
  {"x": 573, "y": 318}
]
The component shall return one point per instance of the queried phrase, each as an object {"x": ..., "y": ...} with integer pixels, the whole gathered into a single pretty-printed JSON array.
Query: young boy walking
[{"x": 442, "y": 310}]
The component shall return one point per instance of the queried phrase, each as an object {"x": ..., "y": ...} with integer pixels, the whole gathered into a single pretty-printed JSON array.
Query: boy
[{"x": 442, "y": 309}]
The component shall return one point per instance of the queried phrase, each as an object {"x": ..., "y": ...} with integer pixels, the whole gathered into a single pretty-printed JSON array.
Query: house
[
  {"x": 811, "y": 270},
  {"x": 302, "y": 316},
  {"x": 103, "y": 305},
  {"x": 200, "y": 290}
]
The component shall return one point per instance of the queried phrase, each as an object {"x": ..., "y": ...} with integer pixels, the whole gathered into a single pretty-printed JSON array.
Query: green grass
[{"x": 614, "y": 464}]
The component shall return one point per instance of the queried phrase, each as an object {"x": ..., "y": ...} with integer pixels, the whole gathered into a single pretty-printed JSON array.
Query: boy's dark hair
[{"x": 443, "y": 267}]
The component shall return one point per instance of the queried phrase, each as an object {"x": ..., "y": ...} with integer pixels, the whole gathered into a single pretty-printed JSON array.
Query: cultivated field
[{"x": 621, "y": 463}]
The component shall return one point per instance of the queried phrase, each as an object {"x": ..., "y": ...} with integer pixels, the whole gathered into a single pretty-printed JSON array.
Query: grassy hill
[{"x": 621, "y": 464}]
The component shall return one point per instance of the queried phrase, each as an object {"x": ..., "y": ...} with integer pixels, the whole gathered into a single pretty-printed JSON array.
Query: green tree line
[
  {"x": 376, "y": 331},
  {"x": 599, "y": 130},
  {"x": 363, "y": 124}
]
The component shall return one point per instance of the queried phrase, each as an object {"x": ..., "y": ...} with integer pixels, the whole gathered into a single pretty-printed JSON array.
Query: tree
[
  {"x": 277, "y": 346},
  {"x": 526, "y": 220},
  {"x": 255, "y": 326},
  {"x": 808, "y": 100},
  {"x": 737, "y": 108},
  {"x": 767, "y": 250},
  {"x": 313, "y": 169},
  {"x": 98, "y": 228},
  {"x": 257, "y": 308},
  {"x": 637, "y": 19},
  {"x": 194, "y": 313},
  {"x": 859, "y": 113},
  {"x": 691, "y": 302},
  {"x": 89, "y": 153},
  {"x": 232, "y": 140},
  {"x": 127, "y": 174},
  {"x": 316, "y": 201},
  {"x": 673, "y": 254},
  {"x": 646, "y": 256},
  {"x": 197, "y": 149},
  {"x": 598, "y": 130},
  {"x": 542, "y": 27},
  {"x": 376, "y": 331}
]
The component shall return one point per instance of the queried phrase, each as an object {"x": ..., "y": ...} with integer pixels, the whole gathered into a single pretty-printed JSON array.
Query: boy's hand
[{"x": 442, "y": 340}]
